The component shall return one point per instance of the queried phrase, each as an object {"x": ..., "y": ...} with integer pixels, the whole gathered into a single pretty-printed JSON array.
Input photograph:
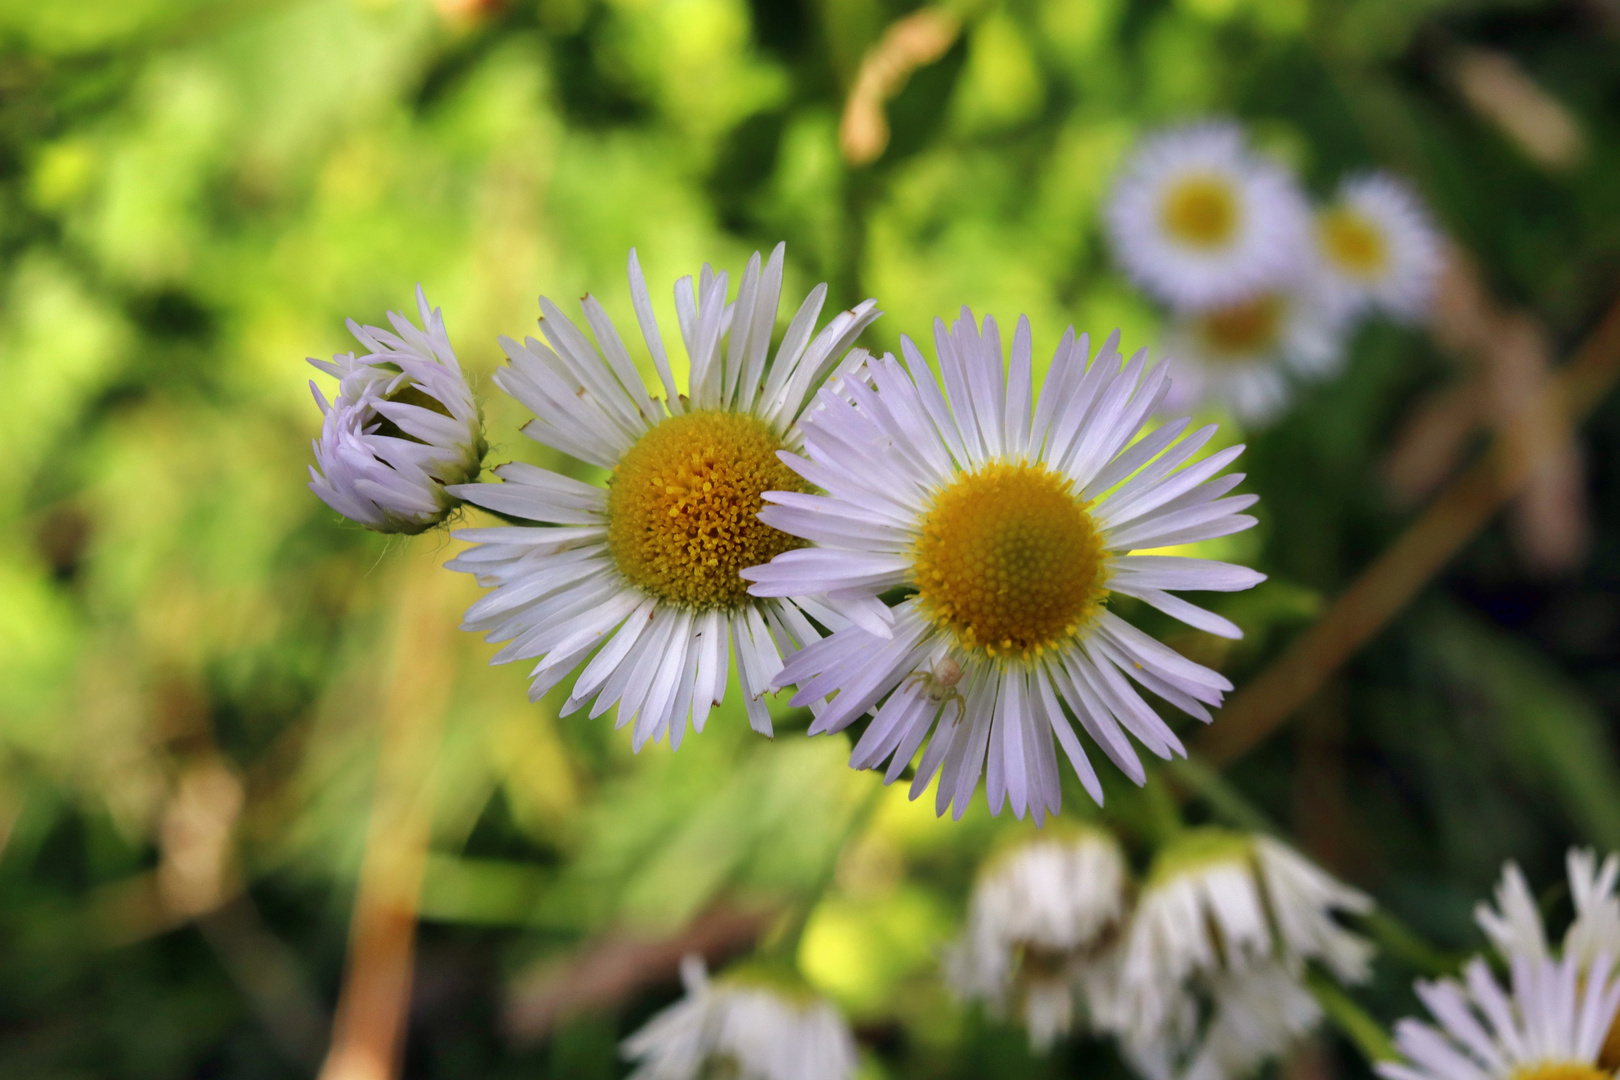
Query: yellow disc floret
[
  {"x": 683, "y": 506},
  {"x": 1242, "y": 329},
  {"x": 1200, "y": 211},
  {"x": 1353, "y": 244},
  {"x": 1009, "y": 561},
  {"x": 1560, "y": 1070}
]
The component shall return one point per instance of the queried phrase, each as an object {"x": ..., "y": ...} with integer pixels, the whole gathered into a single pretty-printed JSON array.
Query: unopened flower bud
[{"x": 403, "y": 427}]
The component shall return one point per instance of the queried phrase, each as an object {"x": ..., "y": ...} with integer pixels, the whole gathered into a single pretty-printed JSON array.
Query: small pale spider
[{"x": 939, "y": 684}]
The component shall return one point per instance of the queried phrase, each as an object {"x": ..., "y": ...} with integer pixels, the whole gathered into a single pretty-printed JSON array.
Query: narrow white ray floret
[
  {"x": 1550, "y": 1024},
  {"x": 1515, "y": 924},
  {"x": 636, "y": 585},
  {"x": 1378, "y": 247},
  {"x": 735, "y": 1027},
  {"x": 404, "y": 427},
  {"x": 1012, "y": 520},
  {"x": 1198, "y": 219}
]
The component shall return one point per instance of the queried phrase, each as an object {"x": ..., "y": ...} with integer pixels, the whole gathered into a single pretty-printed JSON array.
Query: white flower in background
[
  {"x": 644, "y": 572},
  {"x": 404, "y": 427},
  {"x": 1245, "y": 354},
  {"x": 1253, "y": 1016},
  {"x": 1198, "y": 219},
  {"x": 1515, "y": 926},
  {"x": 1218, "y": 903},
  {"x": 1378, "y": 247},
  {"x": 1551, "y": 1025},
  {"x": 744, "y": 1029},
  {"x": 1040, "y": 933},
  {"x": 1013, "y": 531}
]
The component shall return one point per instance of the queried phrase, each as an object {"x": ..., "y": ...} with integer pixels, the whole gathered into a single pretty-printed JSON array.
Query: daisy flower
[
  {"x": 1040, "y": 929},
  {"x": 1243, "y": 354},
  {"x": 1549, "y": 1025},
  {"x": 1011, "y": 532},
  {"x": 1515, "y": 925},
  {"x": 742, "y": 1027},
  {"x": 404, "y": 427},
  {"x": 1197, "y": 219},
  {"x": 1378, "y": 247},
  {"x": 1218, "y": 903},
  {"x": 644, "y": 573}
]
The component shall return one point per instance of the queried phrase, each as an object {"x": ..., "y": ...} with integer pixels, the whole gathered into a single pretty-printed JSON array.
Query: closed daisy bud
[
  {"x": 1245, "y": 354},
  {"x": 1198, "y": 219},
  {"x": 1377, "y": 247},
  {"x": 1011, "y": 521},
  {"x": 403, "y": 427},
  {"x": 749, "y": 1024},
  {"x": 1549, "y": 1025},
  {"x": 637, "y": 586},
  {"x": 1218, "y": 903},
  {"x": 1040, "y": 935}
]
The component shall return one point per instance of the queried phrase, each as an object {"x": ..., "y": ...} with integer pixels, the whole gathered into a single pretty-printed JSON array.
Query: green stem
[{"x": 1353, "y": 1022}]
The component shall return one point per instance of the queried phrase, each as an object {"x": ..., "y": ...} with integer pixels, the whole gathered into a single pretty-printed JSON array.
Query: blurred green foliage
[{"x": 194, "y": 194}]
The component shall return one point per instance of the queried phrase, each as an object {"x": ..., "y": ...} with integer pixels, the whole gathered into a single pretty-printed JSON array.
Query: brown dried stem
[{"x": 369, "y": 1032}]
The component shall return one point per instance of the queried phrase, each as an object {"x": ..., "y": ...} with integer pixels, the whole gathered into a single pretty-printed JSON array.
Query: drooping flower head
[
  {"x": 745, "y": 1028},
  {"x": 1040, "y": 935},
  {"x": 1217, "y": 904},
  {"x": 1245, "y": 354},
  {"x": 1251, "y": 1016},
  {"x": 645, "y": 573},
  {"x": 1011, "y": 529},
  {"x": 1378, "y": 247},
  {"x": 403, "y": 429},
  {"x": 1549, "y": 1026},
  {"x": 1198, "y": 219}
]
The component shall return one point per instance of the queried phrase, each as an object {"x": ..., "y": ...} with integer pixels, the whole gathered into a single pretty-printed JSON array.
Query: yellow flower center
[
  {"x": 1200, "y": 211},
  {"x": 1353, "y": 244},
  {"x": 682, "y": 508},
  {"x": 1560, "y": 1070},
  {"x": 1241, "y": 329},
  {"x": 1009, "y": 562}
]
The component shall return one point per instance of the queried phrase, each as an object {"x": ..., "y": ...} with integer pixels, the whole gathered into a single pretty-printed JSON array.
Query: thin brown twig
[{"x": 1386, "y": 586}]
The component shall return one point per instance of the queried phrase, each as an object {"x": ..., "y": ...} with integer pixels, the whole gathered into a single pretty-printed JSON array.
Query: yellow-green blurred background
[{"x": 200, "y": 663}]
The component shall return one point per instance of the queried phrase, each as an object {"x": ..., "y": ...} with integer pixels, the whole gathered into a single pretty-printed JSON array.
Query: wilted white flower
[
  {"x": 1218, "y": 903},
  {"x": 742, "y": 1028},
  {"x": 644, "y": 573},
  {"x": 1515, "y": 926},
  {"x": 1041, "y": 927},
  {"x": 1378, "y": 247},
  {"x": 1246, "y": 354},
  {"x": 1550, "y": 1027},
  {"x": 1252, "y": 1016},
  {"x": 403, "y": 429},
  {"x": 1198, "y": 219},
  {"x": 1013, "y": 529}
]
